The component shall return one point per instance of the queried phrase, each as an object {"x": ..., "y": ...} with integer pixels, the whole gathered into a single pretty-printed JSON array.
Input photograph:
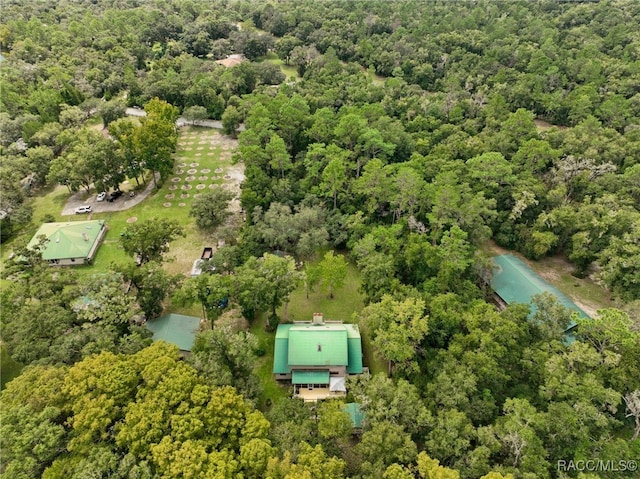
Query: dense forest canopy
[{"x": 407, "y": 136}]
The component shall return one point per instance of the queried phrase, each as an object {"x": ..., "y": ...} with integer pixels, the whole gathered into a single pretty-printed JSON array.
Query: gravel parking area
[{"x": 123, "y": 203}]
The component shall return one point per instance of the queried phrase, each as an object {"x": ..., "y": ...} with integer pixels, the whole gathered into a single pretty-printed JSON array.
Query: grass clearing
[
  {"x": 202, "y": 162},
  {"x": 586, "y": 293},
  {"x": 345, "y": 305},
  {"x": 289, "y": 71},
  {"x": 272, "y": 391},
  {"x": 346, "y": 301}
]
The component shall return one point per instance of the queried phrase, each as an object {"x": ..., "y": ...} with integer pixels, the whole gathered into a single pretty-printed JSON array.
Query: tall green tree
[
  {"x": 269, "y": 280},
  {"x": 211, "y": 209},
  {"x": 396, "y": 328},
  {"x": 227, "y": 358},
  {"x": 156, "y": 139},
  {"x": 333, "y": 272},
  {"x": 149, "y": 240},
  {"x": 334, "y": 179},
  {"x": 123, "y": 130},
  {"x": 111, "y": 110}
]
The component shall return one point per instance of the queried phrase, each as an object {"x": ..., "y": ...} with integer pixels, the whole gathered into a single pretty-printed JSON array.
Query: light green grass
[
  {"x": 289, "y": 71},
  {"x": 586, "y": 293},
  {"x": 345, "y": 305},
  {"x": 346, "y": 301},
  {"x": 272, "y": 391},
  {"x": 9, "y": 368}
]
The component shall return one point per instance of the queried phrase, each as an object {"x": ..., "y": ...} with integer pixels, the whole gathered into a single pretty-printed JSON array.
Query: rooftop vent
[{"x": 318, "y": 318}]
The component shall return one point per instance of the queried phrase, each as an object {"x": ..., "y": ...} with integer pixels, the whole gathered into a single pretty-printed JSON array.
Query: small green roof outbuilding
[
  {"x": 70, "y": 243},
  {"x": 515, "y": 282},
  {"x": 355, "y": 413},
  {"x": 176, "y": 329}
]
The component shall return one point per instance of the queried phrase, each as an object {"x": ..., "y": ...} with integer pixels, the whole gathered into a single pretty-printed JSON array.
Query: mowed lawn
[
  {"x": 289, "y": 71},
  {"x": 202, "y": 163},
  {"x": 346, "y": 304}
]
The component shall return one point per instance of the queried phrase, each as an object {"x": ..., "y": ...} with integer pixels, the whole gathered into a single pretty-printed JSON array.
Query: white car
[
  {"x": 82, "y": 209},
  {"x": 101, "y": 196}
]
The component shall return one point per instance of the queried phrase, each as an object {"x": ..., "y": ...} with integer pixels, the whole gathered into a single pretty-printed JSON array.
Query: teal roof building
[
  {"x": 318, "y": 346},
  {"x": 317, "y": 355},
  {"x": 515, "y": 282},
  {"x": 70, "y": 243},
  {"x": 176, "y": 329}
]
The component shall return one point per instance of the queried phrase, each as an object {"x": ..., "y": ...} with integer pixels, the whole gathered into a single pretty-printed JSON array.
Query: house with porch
[{"x": 317, "y": 356}]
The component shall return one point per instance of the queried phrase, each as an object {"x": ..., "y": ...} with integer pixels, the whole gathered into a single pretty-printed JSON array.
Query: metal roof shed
[
  {"x": 318, "y": 346},
  {"x": 515, "y": 282},
  {"x": 355, "y": 413},
  {"x": 175, "y": 329}
]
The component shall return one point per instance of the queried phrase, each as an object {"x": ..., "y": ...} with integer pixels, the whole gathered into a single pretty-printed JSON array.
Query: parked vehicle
[
  {"x": 114, "y": 196},
  {"x": 82, "y": 209},
  {"x": 101, "y": 196}
]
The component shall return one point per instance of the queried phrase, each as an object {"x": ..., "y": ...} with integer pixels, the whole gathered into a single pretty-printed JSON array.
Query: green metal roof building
[
  {"x": 318, "y": 346},
  {"x": 71, "y": 243},
  {"x": 320, "y": 354},
  {"x": 355, "y": 413},
  {"x": 514, "y": 282},
  {"x": 175, "y": 329}
]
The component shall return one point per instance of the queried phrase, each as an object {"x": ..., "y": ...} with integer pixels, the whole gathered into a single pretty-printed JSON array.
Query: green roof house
[
  {"x": 317, "y": 356},
  {"x": 176, "y": 329},
  {"x": 71, "y": 243},
  {"x": 514, "y": 282}
]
